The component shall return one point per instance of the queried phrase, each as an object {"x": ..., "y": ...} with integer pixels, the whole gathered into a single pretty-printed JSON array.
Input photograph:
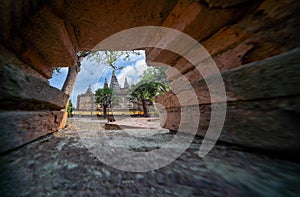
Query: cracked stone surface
[{"x": 60, "y": 165}]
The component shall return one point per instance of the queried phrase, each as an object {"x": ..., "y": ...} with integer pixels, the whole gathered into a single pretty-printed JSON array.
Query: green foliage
[
  {"x": 156, "y": 74},
  {"x": 70, "y": 109},
  {"x": 110, "y": 57},
  {"x": 56, "y": 71},
  {"x": 152, "y": 83},
  {"x": 146, "y": 92},
  {"x": 107, "y": 58},
  {"x": 101, "y": 95}
]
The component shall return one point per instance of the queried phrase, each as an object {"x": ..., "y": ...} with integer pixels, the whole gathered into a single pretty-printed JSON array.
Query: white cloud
[
  {"x": 132, "y": 72},
  {"x": 96, "y": 86},
  {"x": 141, "y": 66},
  {"x": 128, "y": 72}
]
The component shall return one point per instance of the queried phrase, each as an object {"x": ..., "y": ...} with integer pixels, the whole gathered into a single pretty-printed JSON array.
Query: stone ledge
[
  {"x": 7, "y": 57},
  {"x": 17, "y": 86},
  {"x": 193, "y": 18},
  {"x": 277, "y": 76},
  {"x": 21, "y": 127},
  {"x": 264, "y": 124}
]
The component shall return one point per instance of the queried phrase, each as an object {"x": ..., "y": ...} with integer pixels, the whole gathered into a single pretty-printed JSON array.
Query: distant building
[
  {"x": 119, "y": 94},
  {"x": 86, "y": 101}
]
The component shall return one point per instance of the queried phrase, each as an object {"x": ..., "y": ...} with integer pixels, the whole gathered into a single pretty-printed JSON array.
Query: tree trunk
[
  {"x": 68, "y": 88},
  {"x": 104, "y": 111},
  {"x": 145, "y": 108},
  {"x": 71, "y": 78}
]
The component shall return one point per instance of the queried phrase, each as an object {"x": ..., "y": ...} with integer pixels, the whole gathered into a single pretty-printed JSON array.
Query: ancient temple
[
  {"x": 86, "y": 101},
  {"x": 119, "y": 94}
]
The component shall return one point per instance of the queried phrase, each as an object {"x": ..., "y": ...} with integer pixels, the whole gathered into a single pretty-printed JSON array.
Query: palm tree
[
  {"x": 103, "y": 97},
  {"x": 146, "y": 92}
]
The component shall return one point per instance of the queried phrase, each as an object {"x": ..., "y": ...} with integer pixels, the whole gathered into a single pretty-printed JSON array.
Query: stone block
[
  {"x": 7, "y": 57},
  {"x": 20, "y": 127},
  {"x": 224, "y": 4},
  {"x": 22, "y": 91},
  {"x": 98, "y": 23},
  {"x": 277, "y": 76},
  {"x": 269, "y": 124},
  {"x": 233, "y": 57},
  {"x": 262, "y": 104},
  {"x": 55, "y": 46},
  {"x": 195, "y": 19}
]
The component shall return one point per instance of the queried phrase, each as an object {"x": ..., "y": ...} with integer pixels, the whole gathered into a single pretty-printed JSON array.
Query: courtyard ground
[{"x": 60, "y": 164}]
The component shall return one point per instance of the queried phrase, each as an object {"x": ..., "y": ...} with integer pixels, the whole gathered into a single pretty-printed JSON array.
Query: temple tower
[
  {"x": 114, "y": 84},
  {"x": 126, "y": 84},
  {"x": 105, "y": 86}
]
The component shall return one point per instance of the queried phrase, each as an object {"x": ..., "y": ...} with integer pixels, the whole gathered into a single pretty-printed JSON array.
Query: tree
[
  {"x": 103, "y": 97},
  {"x": 110, "y": 57},
  {"x": 152, "y": 82},
  {"x": 72, "y": 74},
  {"x": 70, "y": 109},
  {"x": 146, "y": 92},
  {"x": 156, "y": 74}
]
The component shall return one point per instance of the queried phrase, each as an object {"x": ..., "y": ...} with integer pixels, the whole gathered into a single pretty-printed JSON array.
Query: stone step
[{"x": 21, "y": 127}]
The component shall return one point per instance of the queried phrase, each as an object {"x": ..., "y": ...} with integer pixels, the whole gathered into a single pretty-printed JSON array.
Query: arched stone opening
[
  {"x": 255, "y": 45},
  {"x": 39, "y": 36}
]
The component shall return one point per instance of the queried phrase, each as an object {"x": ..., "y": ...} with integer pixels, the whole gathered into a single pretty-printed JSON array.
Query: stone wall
[
  {"x": 262, "y": 104},
  {"x": 86, "y": 101},
  {"x": 30, "y": 108},
  {"x": 38, "y": 35}
]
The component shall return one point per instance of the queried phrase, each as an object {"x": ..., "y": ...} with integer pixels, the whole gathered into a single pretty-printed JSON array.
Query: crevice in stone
[{"x": 27, "y": 105}]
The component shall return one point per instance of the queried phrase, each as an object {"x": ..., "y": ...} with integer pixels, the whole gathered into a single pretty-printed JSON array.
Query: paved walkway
[{"x": 61, "y": 165}]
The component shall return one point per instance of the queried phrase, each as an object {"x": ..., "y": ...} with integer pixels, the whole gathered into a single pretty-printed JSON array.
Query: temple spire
[
  {"x": 114, "y": 81},
  {"x": 105, "y": 84},
  {"x": 126, "y": 84},
  {"x": 89, "y": 90}
]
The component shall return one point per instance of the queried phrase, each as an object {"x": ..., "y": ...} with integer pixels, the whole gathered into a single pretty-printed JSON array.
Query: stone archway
[{"x": 39, "y": 36}]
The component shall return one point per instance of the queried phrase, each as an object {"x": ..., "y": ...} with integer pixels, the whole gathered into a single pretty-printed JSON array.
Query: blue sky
[{"x": 94, "y": 74}]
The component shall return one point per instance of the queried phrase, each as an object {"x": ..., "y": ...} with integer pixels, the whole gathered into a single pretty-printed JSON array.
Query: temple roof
[{"x": 89, "y": 90}]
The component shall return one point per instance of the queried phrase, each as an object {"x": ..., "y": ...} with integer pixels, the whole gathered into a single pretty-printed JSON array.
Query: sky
[{"x": 93, "y": 74}]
